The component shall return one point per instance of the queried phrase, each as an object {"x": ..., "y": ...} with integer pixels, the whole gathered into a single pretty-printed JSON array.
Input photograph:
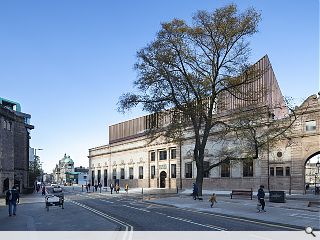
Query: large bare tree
[{"x": 188, "y": 71}]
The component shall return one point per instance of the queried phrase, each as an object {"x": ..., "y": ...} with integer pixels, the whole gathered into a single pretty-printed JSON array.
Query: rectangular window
[
  {"x": 99, "y": 176},
  {"x": 140, "y": 172},
  {"x": 173, "y": 170},
  {"x": 114, "y": 173},
  {"x": 153, "y": 171},
  {"x": 163, "y": 155},
  {"x": 272, "y": 171},
  {"x": 311, "y": 126},
  {"x": 288, "y": 171},
  {"x": 279, "y": 171},
  {"x": 92, "y": 178},
  {"x": 105, "y": 178},
  {"x": 225, "y": 169},
  {"x": 152, "y": 156},
  {"x": 188, "y": 170},
  {"x": 206, "y": 166},
  {"x": 173, "y": 153},
  {"x": 122, "y": 173},
  {"x": 131, "y": 173},
  {"x": 248, "y": 168}
]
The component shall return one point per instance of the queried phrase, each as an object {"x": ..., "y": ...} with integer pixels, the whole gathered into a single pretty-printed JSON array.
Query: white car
[{"x": 57, "y": 189}]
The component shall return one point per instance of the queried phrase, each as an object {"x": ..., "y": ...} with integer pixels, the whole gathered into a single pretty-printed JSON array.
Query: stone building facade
[
  {"x": 60, "y": 172},
  {"x": 14, "y": 146},
  {"x": 131, "y": 158}
]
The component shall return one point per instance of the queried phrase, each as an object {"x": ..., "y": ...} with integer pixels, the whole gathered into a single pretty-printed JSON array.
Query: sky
[{"x": 68, "y": 62}]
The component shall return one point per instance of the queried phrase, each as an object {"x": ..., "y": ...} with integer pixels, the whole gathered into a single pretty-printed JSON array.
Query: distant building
[
  {"x": 66, "y": 165},
  {"x": 66, "y": 173},
  {"x": 14, "y": 146},
  {"x": 79, "y": 176}
]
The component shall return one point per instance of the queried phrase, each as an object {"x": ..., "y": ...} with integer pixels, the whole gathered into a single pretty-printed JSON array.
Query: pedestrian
[
  {"x": 260, "y": 196},
  {"x": 126, "y": 188},
  {"x": 87, "y": 187},
  {"x": 195, "y": 191},
  {"x": 12, "y": 198},
  {"x": 100, "y": 186},
  {"x": 111, "y": 187},
  {"x": 43, "y": 190},
  {"x": 38, "y": 188},
  {"x": 213, "y": 199},
  {"x": 117, "y": 188},
  {"x": 96, "y": 187},
  {"x": 82, "y": 187}
]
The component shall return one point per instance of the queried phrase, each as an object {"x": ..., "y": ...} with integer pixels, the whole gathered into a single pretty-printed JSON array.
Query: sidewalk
[{"x": 294, "y": 211}]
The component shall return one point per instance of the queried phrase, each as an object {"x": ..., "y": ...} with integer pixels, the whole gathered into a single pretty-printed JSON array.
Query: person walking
[
  {"x": 195, "y": 191},
  {"x": 260, "y": 196},
  {"x": 100, "y": 186},
  {"x": 111, "y": 187},
  {"x": 213, "y": 199},
  {"x": 43, "y": 190},
  {"x": 117, "y": 188},
  {"x": 126, "y": 188},
  {"x": 12, "y": 198}
]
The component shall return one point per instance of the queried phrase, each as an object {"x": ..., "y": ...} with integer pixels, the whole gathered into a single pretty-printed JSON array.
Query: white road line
[
  {"x": 140, "y": 209},
  {"x": 161, "y": 213},
  {"x": 199, "y": 224},
  {"x": 105, "y": 201},
  {"x": 126, "y": 225},
  {"x": 242, "y": 219}
]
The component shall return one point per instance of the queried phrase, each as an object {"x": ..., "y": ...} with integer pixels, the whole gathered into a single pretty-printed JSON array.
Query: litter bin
[{"x": 277, "y": 196}]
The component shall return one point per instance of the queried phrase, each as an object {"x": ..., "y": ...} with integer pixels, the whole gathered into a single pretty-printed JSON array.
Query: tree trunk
[{"x": 199, "y": 164}]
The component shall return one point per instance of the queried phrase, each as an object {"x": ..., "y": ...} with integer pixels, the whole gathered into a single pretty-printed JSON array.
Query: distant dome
[{"x": 67, "y": 159}]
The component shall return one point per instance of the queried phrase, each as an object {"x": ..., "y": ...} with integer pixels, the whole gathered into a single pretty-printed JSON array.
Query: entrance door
[
  {"x": 6, "y": 184},
  {"x": 163, "y": 176},
  {"x": 312, "y": 174}
]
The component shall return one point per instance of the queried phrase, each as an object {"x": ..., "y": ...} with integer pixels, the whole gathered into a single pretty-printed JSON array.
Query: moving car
[{"x": 57, "y": 188}]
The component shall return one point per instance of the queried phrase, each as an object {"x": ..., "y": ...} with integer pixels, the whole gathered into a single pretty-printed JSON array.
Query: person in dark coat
[
  {"x": 43, "y": 190},
  {"x": 12, "y": 198},
  {"x": 111, "y": 187},
  {"x": 260, "y": 196},
  {"x": 195, "y": 191}
]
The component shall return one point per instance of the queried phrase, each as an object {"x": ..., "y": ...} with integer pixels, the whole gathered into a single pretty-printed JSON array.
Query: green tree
[
  {"x": 186, "y": 72},
  {"x": 35, "y": 170}
]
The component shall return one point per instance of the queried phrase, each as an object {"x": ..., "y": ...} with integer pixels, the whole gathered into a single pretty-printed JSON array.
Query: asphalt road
[{"x": 130, "y": 212}]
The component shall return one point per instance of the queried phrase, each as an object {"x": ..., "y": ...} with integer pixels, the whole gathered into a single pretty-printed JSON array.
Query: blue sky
[{"x": 67, "y": 62}]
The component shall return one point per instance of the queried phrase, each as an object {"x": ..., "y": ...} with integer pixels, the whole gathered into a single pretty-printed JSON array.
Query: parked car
[{"x": 57, "y": 189}]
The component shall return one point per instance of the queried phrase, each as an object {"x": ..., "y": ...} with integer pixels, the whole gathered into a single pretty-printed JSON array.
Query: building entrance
[
  {"x": 163, "y": 176},
  {"x": 312, "y": 178},
  {"x": 5, "y": 185}
]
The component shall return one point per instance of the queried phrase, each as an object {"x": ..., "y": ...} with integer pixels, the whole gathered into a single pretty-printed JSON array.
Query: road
[{"x": 130, "y": 212}]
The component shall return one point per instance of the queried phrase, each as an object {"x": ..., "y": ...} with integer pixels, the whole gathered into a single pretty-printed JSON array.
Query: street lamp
[{"x": 35, "y": 158}]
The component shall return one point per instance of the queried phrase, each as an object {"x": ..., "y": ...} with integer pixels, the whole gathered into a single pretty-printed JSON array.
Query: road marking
[
  {"x": 243, "y": 220},
  {"x": 199, "y": 224},
  {"x": 161, "y": 213},
  {"x": 127, "y": 226},
  {"x": 105, "y": 201},
  {"x": 136, "y": 208}
]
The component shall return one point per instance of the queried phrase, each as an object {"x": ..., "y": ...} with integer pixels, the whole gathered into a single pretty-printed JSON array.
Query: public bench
[
  {"x": 313, "y": 203},
  {"x": 242, "y": 193}
]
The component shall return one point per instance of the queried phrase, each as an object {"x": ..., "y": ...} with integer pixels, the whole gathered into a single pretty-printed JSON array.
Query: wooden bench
[
  {"x": 242, "y": 193},
  {"x": 313, "y": 203}
]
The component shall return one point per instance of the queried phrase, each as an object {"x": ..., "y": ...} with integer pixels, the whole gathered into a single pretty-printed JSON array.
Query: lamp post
[{"x": 35, "y": 158}]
